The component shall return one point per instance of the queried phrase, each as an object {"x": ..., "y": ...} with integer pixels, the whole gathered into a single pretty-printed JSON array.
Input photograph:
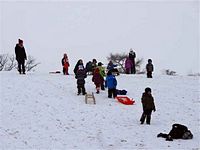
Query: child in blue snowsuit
[{"x": 111, "y": 83}]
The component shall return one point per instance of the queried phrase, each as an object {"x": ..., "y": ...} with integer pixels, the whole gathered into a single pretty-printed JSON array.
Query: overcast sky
[{"x": 167, "y": 31}]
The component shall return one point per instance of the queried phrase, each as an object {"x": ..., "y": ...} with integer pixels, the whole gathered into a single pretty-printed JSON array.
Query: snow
[{"x": 42, "y": 111}]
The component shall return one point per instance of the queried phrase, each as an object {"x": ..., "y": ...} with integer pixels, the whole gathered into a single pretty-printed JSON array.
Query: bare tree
[
  {"x": 138, "y": 64},
  {"x": 3, "y": 61},
  {"x": 119, "y": 59},
  {"x": 31, "y": 63},
  {"x": 11, "y": 63},
  {"x": 8, "y": 62}
]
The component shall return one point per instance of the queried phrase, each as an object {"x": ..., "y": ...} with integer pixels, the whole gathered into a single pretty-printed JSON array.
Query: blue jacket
[
  {"x": 111, "y": 82},
  {"x": 111, "y": 66}
]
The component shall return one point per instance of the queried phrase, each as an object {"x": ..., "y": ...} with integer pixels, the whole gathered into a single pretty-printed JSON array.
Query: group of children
[
  {"x": 98, "y": 74},
  {"x": 98, "y": 79},
  {"x": 111, "y": 83}
]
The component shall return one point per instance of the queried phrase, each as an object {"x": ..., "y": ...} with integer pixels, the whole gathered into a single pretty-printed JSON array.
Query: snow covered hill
[{"x": 42, "y": 111}]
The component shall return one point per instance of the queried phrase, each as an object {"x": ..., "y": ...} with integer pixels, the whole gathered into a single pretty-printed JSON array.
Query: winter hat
[
  {"x": 100, "y": 64},
  {"x": 80, "y": 67},
  {"x": 149, "y": 60},
  {"x": 147, "y": 90},
  {"x": 20, "y": 41}
]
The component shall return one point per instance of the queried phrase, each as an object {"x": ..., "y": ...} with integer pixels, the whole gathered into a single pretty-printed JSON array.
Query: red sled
[{"x": 125, "y": 100}]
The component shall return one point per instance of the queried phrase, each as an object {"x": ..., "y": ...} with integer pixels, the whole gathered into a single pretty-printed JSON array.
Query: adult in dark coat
[
  {"x": 132, "y": 56},
  {"x": 20, "y": 56},
  {"x": 148, "y": 105}
]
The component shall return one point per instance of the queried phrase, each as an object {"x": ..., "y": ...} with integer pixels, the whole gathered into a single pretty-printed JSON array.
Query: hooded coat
[
  {"x": 97, "y": 78},
  {"x": 148, "y": 102},
  {"x": 111, "y": 82},
  {"x": 149, "y": 67},
  {"x": 20, "y": 53},
  {"x": 80, "y": 76}
]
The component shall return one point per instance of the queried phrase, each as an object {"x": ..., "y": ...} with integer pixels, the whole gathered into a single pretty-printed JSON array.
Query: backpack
[{"x": 121, "y": 92}]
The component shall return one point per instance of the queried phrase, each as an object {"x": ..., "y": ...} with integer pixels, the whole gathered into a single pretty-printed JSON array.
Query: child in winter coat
[
  {"x": 102, "y": 73},
  {"x": 111, "y": 83},
  {"x": 80, "y": 76},
  {"x": 128, "y": 65},
  {"x": 148, "y": 106},
  {"x": 112, "y": 68},
  {"x": 178, "y": 131},
  {"x": 65, "y": 64},
  {"x": 94, "y": 65},
  {"x": 97, "y": 79},
  {"x": 89, "y": 68},
  {"x": 80, "y": 62},
  {"x": 149, "y": 68}
]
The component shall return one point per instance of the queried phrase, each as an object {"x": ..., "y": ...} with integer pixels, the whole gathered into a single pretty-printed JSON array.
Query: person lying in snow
[{"x": 178, "y": 131}]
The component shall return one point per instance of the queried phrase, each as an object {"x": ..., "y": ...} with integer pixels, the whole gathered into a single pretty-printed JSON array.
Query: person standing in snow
[
  {"x": 111, "y": 83},
  {"x": 148, "y": 106},
  {"x": 112, "y": 68},
  {"x": 128, "y": 65},
  {"x": 97, "y": 79},
  {"x": 80, "y": 76},
  {"x": 65, "y": 64},
  {"x": 89, "y": 68},
  {"x": 80, "y": 62},
  {"x": 94, "y": 65},
  {"x": 20, "y": 56},
  {"x": 149, "y": 68},
  {"x": 102, "y": 73},
  {"x": 132, "y": 57}
]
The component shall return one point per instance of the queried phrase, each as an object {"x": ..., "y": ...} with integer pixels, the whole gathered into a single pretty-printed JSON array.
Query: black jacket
[
  {"x": 80, "y": 76},
  {"x": 148, "y": 102},
  {"x": 20, "y": 53},
  {"x": 149, "y": 67},
  {"x": 76, "y": 67}
]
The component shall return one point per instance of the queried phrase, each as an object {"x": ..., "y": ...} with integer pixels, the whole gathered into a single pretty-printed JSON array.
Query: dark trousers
[
  {"x": 112, "y": 92},
  {"x": 21, "y": 64},
  {"x": 133, "y": 70},
  {"x": 146, "y": 115},
  {"x": 128, "y": 71},
  {"x": 149, "y": 74},
  {"x": 102, "y": 86},
  {"x": 65, "y": 71},
  {"x": 81, "y": 88},
  {"x": 163, "y": 135}
]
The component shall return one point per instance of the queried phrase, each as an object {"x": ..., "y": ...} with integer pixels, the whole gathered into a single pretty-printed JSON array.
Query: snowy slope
[{"x": 43, "y": 111}]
